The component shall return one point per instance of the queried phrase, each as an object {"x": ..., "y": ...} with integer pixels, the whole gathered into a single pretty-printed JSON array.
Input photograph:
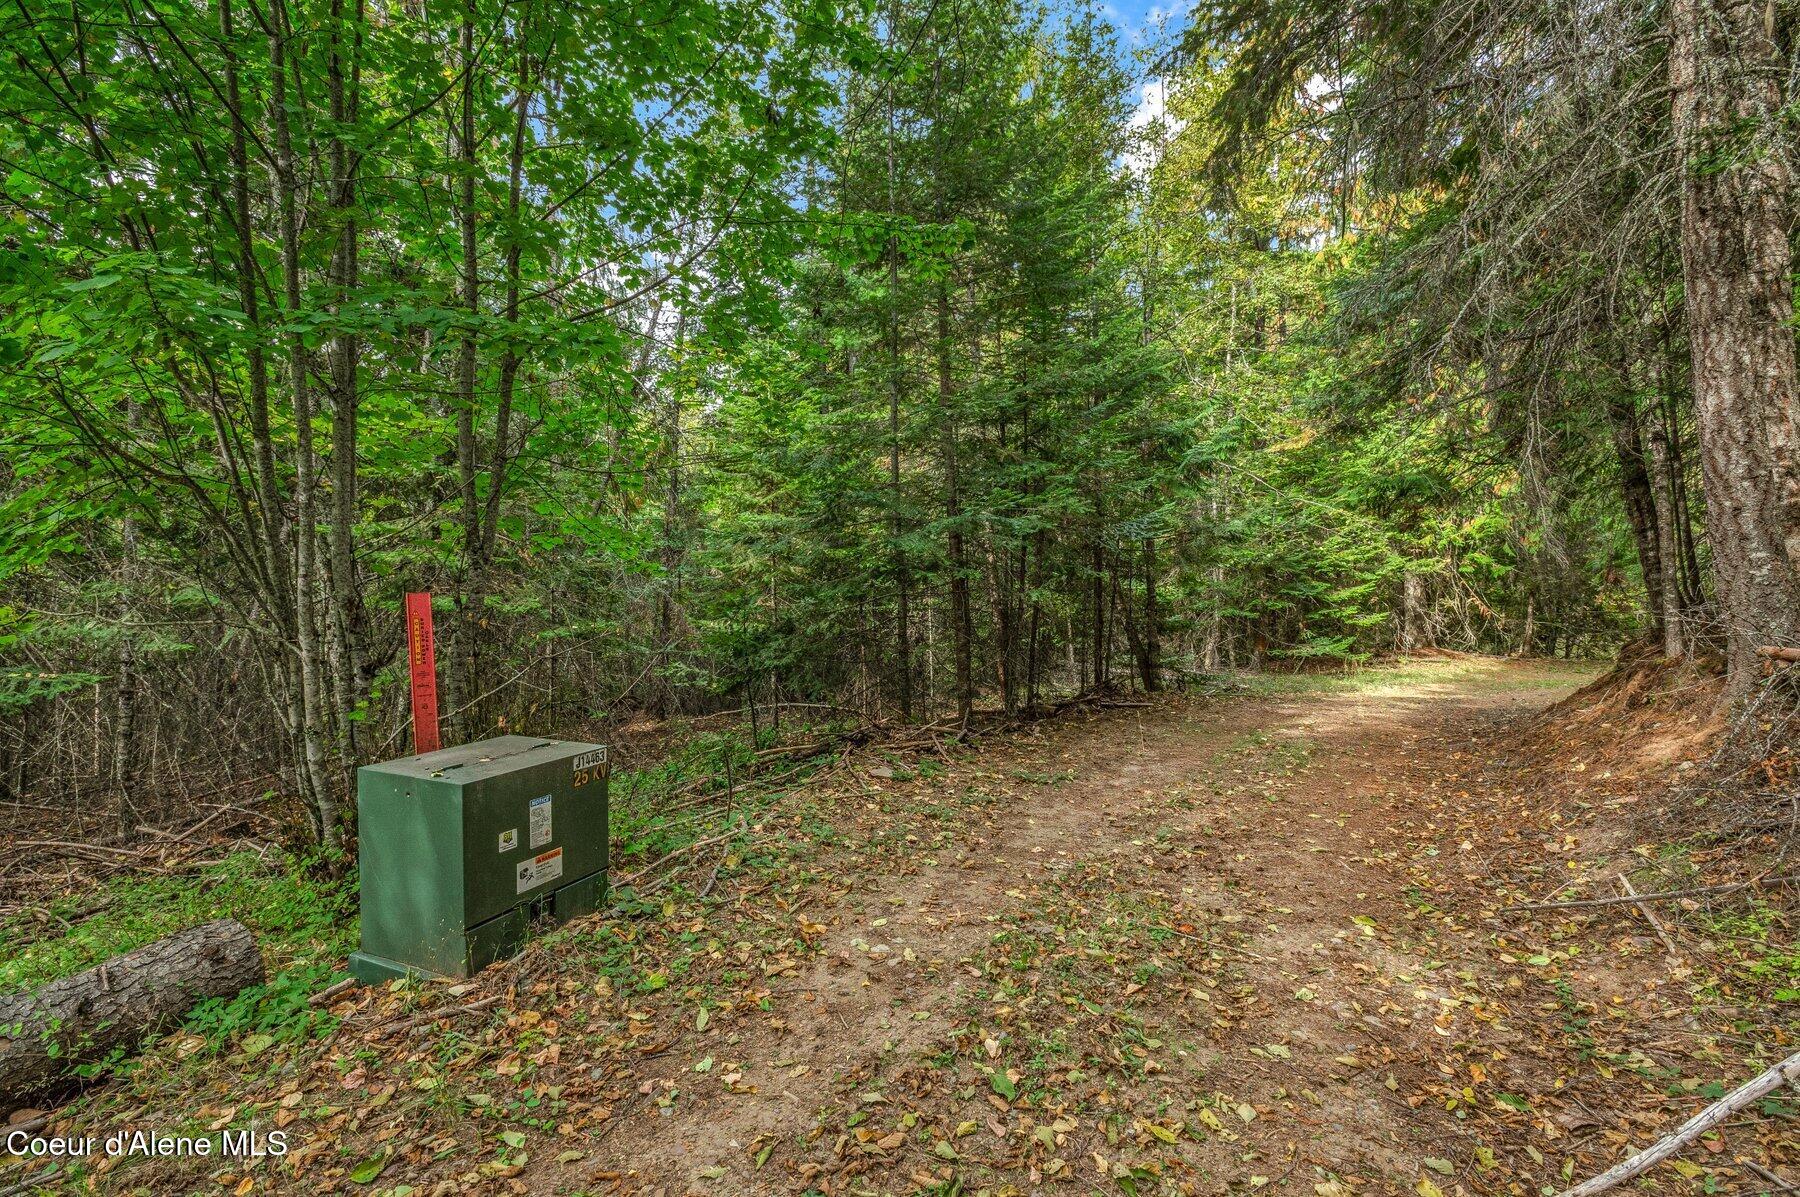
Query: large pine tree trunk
[
  {"x": 1737, "y": 202},
  {"x": 82, "y": 1019}
]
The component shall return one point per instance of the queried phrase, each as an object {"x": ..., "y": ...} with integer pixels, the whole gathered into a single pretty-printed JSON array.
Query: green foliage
[
  {"x": 885, "y": 356},
  {"x": 1355, "y": 502},
  {"x": 470, "y": 420},
  {"x": 261, "y": 1016}
]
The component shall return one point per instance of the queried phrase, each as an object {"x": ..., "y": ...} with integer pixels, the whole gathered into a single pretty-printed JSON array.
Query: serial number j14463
[{"x": 589, "y": 766}]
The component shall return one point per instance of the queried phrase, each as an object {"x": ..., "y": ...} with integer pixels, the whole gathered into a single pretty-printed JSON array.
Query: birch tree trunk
[{"x": 310, "y": 667}]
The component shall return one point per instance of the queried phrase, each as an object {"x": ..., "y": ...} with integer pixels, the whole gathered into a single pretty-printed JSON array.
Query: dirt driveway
[
  {"x": 1245, "y": 943},
  {"x": 1203, "y": 946}
]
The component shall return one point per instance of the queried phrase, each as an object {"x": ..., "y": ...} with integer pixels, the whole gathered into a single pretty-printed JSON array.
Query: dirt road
[
  {"x": 1204, "y": 946},
  {"x": 1247, "y": 943}
]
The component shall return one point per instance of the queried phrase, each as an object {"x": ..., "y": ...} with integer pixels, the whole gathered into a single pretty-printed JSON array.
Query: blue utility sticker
[{"x": 540, "y": 821}]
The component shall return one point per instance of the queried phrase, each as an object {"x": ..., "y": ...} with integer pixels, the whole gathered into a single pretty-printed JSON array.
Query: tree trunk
[
  {"x": 1665, "y": 484},
  {"x": 309, "y": 667},
  {"x": 1134, "y": 640},
  {"x": 349, "y": 620},
  {"x": 1033, "y": 666},
  {"x": 961, "y": 630},
  {"x": 84, "y": 1018},
  {"x": 464, "y": 662},
  {"x": 1000, "y": 594},
  {"x": 1211, "y": 659},
  {"x": 669, "y": 555},
  {"x": 902, "y": 581},
  {"x": 125, "y": 708},
  {"x": 1150, "y": 663},
  {"x": 1097, "y": 634},
  {"x": 481, "y": 569},
  {"x": 1637, "y": 490},
  {"x": 273, "y": 525},
  {"x": 1737, "y": 201},
  {"x": 1415, "y": 630}
]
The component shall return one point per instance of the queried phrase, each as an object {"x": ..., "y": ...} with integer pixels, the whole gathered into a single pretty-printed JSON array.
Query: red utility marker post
[{"x": 423, "y": 657}]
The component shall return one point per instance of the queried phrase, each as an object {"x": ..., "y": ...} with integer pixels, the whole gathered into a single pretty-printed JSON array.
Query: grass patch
[
  {"x": 668, "y": 805},
  {"x": 304, "y": 921},
  {"x": 295, "y": 915}
]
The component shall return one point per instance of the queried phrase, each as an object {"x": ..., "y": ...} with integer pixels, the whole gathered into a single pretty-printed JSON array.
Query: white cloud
[
  {"x": 1152, "y": 124},
  {"x": 1153, "y": 103}
]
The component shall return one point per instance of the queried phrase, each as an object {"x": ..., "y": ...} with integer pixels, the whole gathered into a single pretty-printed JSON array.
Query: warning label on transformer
[
  {"x": 540, "y": 821},
  {"x": 545, "y": 866}
]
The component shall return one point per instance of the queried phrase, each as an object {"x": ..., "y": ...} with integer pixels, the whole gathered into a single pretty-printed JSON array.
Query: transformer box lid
[{"x": 468, "y": 763}]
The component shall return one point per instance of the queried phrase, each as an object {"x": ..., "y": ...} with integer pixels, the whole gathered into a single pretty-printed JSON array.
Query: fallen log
[
  {"x": 82, "y": 1019},
  {"x": 1743, "y": 1097},
  {"x": 1778, "y": 653}
]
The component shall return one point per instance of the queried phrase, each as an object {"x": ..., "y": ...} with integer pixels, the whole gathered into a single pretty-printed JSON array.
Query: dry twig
[
  {"x": 324, "y": 996},
  {"x": 1785, "y": 1073},
  {"x": 431, "y": 1016},
  {"x": 1644, "y": 909},
  {"x": 1662, "y": 896}
]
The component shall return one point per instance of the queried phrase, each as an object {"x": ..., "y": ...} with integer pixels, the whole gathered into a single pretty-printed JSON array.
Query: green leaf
[{"x": 369, "y": 1169}]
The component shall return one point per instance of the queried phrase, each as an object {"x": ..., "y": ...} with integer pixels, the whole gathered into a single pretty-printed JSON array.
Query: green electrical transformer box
[{"x": 461, "y": 848}]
